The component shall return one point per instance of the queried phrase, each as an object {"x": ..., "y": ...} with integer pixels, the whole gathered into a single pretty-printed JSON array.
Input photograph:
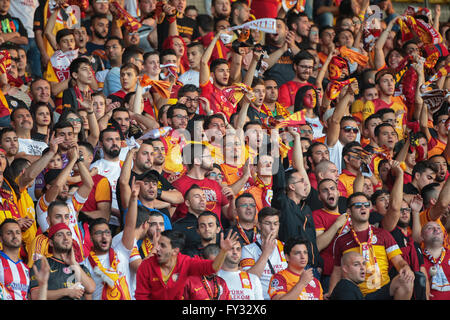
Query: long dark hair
[
  {"x": 298, "y": 105},
  {"x": 33, "y": 110},
  {"x": 65, "y": 114}
]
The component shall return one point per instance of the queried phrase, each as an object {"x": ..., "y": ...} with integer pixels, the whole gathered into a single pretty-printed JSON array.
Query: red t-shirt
[
  {"x": 438, "y": 282},
  {"x": 219, "y": 102},
  {"x": 323, "y": 220},
  {"x": 195, "y": 289},
  {"x": 149, "y": 280},
  {"x": 213, "y": 192},
  {"x": 288, "y": 90}
]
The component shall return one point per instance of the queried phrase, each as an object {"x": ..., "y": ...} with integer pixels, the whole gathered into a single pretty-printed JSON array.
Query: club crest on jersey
[
  {"x": 67, "y": 270},
  {"x": 175, "y": 277},
  {"x": 374, "y": 239}
]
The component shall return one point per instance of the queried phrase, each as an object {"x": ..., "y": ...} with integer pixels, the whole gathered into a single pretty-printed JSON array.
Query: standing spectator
[
  {"x": 175, "y": 267},
  {"x": 295, "y": 282},
  {"x": 265, "y": 256}
]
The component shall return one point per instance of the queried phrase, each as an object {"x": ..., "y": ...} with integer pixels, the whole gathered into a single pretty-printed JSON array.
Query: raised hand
[
  {"x": 43, "y": 274},
  {"x": 306, "y": 277},
  {"x": 228, "y": 243}
]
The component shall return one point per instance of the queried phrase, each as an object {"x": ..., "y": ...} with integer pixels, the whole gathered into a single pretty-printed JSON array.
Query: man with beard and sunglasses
[
  {"x": 68, "y": 280},
  {"x": 110, "y": 166},
  {"x": 380, "y": 250},
  {"x": 329, "y": 223}
]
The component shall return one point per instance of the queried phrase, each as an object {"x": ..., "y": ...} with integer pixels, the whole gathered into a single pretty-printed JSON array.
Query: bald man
[{"x": 353, "y": 273}]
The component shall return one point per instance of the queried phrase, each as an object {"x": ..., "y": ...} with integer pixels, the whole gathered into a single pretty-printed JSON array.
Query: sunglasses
[
  {"x": 214, "y": 175},
  {"x": 348, "y": 129},
  {"x": 359, "y": 205}
]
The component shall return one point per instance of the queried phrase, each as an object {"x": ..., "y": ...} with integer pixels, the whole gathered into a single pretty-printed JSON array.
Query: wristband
[{"x": 159, "y": 192}]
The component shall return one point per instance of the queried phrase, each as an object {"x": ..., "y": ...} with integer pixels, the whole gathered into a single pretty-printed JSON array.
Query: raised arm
[
  {"x": 131, "y": 216},
  {"x": 38, "y": 166},
  {"x": 87, "y": 183},
  {"x": 94, "y": 130},
  {"x": 124, "y": 179},
  {"x": 390, "y": 220},
  {"x": 442, "y": 203},
  {"x": 341, "y": 109},
  {"x": 204, "y": 66},
  {"x": 48, "y": 31},
  {"x": 297, "y": 157},
  {"x": 379, "y": 44},
  {"x": 61, "y": 179},
  {"x": 248, "y": 79}
]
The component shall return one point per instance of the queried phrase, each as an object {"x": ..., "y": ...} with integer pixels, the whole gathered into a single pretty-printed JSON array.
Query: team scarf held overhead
[
  {"x": 126, "y": 20},
  {"x": 161, "y": 87},
  {"x": 115, "y": 286}
]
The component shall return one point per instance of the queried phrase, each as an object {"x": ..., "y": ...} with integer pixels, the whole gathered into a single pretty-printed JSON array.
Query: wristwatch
[
  {"x": 80, "y": 158},
  {"x": 159, "y": 192}
]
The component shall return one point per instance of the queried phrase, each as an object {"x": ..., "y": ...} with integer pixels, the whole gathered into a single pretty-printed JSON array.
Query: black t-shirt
[
  {"x": 410, "y": 189},
  {"x": 188, "y": 225},
  {"x": 281, "y": 71},
  {"x": 61, "y": 275},
  {"x": 346, "y": 290},
  {"x": 10, "y": 24},
  {"x": 91, "y": 47},
  {"x": 296, "y": 219},
  {"x": 250, "y": 234},
  {"x": 375, "y": 219},
  {"x": 187, "y": 28}
]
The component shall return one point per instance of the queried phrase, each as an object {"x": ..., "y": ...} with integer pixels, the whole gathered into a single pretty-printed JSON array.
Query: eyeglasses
[
  {"x": 306, "y": 131},
  {"x": 406, "y": 210},
  {"x": 348, "y": 129},
  {"x": 180, "y": 117},
  {"x": 100, "y": 233},
  {"x": 191, "y": 100},
  {"x": 248, "y": 205},
  {"x": 74, "y": 120},
  {"x": 355, "y": 157},
  {"x": 359, "y": 205},
  {"x": 215, "y": 175},
  {"x": 139, "y": 60}
]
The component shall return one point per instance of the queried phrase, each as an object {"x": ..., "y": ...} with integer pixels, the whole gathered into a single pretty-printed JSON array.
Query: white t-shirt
[
  {"x": 251, "y": 254},
  {"x": 24, "y": 10},
  {"x": 242, "y": 285},
  {"x": 316, "y": 126},
  {"x": 190, "y": 77},
  {"x": 336, "y": 154},
  {"x": 31, "y": 147},
  {"x": 75, "y": 203},
  {"x": 131, "y": 277},
  {"x": 123, "y": 267}
]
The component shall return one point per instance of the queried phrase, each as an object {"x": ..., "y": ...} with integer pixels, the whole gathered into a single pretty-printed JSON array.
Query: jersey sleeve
[
  {"x": 78, "y": 201},
  {"x": 103, "y": 191},
  {"x": 318, "y": 221},
  {"x": 277, "y": 285}
]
